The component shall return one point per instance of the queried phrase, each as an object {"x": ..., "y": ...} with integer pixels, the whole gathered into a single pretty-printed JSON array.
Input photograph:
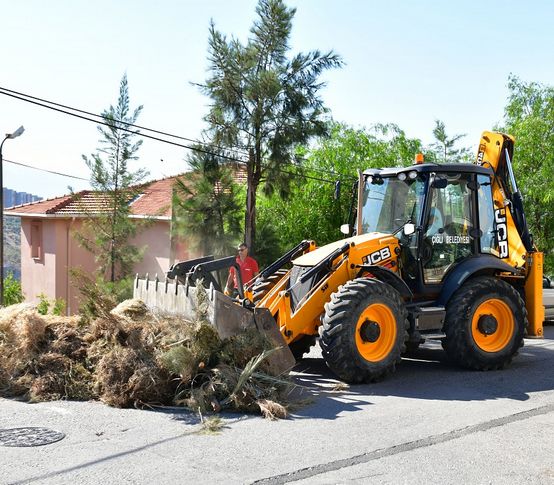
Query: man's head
[{"x": 242, "y": 249}]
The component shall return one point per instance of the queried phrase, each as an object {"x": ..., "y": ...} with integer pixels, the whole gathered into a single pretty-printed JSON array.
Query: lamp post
[{"x": 8, "y": 136}]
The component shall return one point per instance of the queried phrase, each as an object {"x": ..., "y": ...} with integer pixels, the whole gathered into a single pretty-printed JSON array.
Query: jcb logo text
[
  {"x": 501, "y": 232},
  {"x": 379, "y": 256}
]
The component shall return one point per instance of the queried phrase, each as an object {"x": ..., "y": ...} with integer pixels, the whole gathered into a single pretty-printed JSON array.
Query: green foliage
[
  {"x": 120, "y": 290},
  {"x": 12, "y": 291},
  {"x": 529, "y": 117},
  {"x": 207, "y": 207},
  {"x": 59, "y": 307},
  {"x": 99, "y": 297},
  {"x": 311, "y": 211},
  {"x": 108, "y": 229},
  {"x": 444, "y": 150},
  {"x": 269, "y": 247},
  {"x": 43, "y": 305},
  {"x": 264, "y": 102}
]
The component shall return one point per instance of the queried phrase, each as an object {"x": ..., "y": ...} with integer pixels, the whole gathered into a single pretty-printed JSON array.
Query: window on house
[{"x": 36, "y": 239}]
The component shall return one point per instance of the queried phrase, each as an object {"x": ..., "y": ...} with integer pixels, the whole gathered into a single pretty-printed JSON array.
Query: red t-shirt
[{"x": 248, "y": 268}]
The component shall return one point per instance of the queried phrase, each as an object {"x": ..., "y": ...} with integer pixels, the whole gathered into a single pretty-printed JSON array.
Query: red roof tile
[
  {"x": 41, "y": 207},
  {"x": 154, "y": 200}
]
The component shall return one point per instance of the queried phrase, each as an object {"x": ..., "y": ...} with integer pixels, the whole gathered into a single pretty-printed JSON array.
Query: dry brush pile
[{"x": 131, "y": 357}]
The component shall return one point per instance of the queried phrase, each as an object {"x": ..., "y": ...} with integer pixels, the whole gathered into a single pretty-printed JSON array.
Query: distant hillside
[{"x": 12, "y": 246}]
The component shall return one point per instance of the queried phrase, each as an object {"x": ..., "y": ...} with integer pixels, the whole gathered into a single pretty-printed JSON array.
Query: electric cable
[
  {"x": 102, "y": 121},
  {"x": 45, "y": 170},
  {"x": 78, "y": 110},
  {"x": 144, "y": 135}
]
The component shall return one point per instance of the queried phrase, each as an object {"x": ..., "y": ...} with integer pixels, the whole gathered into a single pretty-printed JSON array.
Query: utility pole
[{"x": 8, "y": 136}]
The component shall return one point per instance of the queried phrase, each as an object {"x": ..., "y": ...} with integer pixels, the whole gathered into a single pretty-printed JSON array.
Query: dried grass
[
  {"x": 271, "y": 409},
  {"x": 124, "y": 378},
  {"x": 22, "y": 328},
  {"x": 132, "y": 357},
  {"x": 211, "y": 425},
  {"x": 133, "y": 309}
]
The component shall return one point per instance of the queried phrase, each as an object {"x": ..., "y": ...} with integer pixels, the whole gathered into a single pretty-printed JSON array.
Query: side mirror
[
  {"x": 345, "y": 229},
  {"x": 409, "y": 229}
]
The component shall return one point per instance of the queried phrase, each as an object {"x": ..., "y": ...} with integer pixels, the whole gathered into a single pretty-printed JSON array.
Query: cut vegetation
[{"x": 130, "y": 356}]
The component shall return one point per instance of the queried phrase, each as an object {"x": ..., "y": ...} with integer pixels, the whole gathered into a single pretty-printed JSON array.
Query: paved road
[{"x": 429, "y": 423}]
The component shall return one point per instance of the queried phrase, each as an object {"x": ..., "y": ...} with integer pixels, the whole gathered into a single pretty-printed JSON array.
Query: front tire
[
  {"x": 364, "y": 330},
  {"x": 484, "y": 324}
]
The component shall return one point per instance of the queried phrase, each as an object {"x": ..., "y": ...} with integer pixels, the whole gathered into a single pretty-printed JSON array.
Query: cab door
[{"x": 448, "y": 233}]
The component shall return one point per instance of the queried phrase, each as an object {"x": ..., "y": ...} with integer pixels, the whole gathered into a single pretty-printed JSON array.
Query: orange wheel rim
[
  {"x": 375, "y": 332},
  {"x": 493, "y": 325}
]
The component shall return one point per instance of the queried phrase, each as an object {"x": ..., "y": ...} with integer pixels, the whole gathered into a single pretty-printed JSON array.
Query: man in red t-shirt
[{"x": 248, "y": 269}]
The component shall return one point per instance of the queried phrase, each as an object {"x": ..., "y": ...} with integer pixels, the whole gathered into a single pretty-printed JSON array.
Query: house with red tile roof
[{"x": 49, "y": 249}]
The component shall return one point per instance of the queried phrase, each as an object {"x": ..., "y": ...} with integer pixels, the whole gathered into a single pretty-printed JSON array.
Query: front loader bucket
[
  {"x": 224, "y": 313},
  {"x": 230, "y": 318}
]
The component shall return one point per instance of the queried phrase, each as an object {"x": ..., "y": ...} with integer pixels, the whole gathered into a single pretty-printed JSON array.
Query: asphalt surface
[{"x": 428, "y": 423}]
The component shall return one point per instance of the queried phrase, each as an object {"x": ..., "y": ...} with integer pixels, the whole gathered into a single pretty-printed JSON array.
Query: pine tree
[
  {"x": 108, "y": 227},
  {"x": 263, "y": 102},
  {"x": 444, "y": 147},
  {"x": 206, "y": 210}
]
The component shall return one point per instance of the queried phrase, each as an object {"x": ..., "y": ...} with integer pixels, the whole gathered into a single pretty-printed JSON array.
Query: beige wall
[
  {"x": 76, "y": 258},
  {"x": 37, "y": 274},
  {"x": 49, "y": 274},
  {"x": 155, "y": 238}
]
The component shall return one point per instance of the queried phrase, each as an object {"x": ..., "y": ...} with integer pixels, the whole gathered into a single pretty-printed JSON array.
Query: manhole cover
[{"x": 29, "y": 436}]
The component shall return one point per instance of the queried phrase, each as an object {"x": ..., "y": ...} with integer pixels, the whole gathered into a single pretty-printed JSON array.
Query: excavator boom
[{"x": 514, "y": 239}]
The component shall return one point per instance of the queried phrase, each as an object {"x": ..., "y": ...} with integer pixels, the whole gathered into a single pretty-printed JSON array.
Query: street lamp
[{"x": 9, "y": 136}]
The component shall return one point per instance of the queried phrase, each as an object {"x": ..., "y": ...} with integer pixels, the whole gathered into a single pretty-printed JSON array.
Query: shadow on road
[{"x": 426, "y": 374}]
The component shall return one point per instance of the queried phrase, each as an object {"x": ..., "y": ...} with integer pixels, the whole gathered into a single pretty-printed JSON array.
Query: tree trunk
[{"x": 250, "y": 216}]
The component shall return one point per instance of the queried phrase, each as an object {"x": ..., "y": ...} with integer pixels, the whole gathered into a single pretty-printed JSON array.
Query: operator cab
[{"x": 441, "y": 214}]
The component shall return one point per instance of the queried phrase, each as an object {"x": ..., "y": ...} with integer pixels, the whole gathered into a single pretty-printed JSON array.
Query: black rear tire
[
  {"x": 484, "y": 324},
  {"x": 364, "y": 330}
]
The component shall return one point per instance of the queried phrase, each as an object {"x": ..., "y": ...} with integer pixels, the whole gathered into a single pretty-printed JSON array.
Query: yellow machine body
[
  {"x": 296, "y": 319},
  {"x": 407, "y": 275},
  {"x": 304, "y": 318},
  {"x": 492, "y": 153}
]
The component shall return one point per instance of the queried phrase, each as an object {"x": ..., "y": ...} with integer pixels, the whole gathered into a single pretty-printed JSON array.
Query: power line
[
  {"x": 53, "y": 103},
  {"x": 45, "y": 170},
  {"x": 101, "y": 120},
  {"x": 144, "y": 135}
]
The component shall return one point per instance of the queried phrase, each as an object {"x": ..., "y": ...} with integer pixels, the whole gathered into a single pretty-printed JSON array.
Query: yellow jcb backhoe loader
[{"x": 435, "y": 252}]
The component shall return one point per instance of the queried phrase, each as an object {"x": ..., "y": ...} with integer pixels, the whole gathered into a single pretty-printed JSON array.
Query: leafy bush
[
  {"x": 43, "y": 304},
  {"x": 12, "y": 291},
  {"x": 121, "y": 290},
  {"x": 58, "y": 305},
  {"x": 98, "y": 296}
]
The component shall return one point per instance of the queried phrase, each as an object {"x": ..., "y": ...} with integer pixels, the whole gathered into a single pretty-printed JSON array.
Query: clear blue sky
[{"x": 407, "y": 62}]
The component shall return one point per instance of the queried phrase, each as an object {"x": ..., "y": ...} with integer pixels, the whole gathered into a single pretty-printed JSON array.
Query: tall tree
[
  {"x": 529, "y": 116},
  {"x": 444, "y": 147},
  {"x": 313, "y": 211},
  {"x": 207, "y": 211},
  {"x": 264, "y": 102},
  {"x": 109, "y": 228}
]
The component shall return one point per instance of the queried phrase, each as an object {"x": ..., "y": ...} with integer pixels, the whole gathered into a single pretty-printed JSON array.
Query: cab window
[
  {"x": 447, "y": 231},
  {"x": 488, "y": 242}
]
